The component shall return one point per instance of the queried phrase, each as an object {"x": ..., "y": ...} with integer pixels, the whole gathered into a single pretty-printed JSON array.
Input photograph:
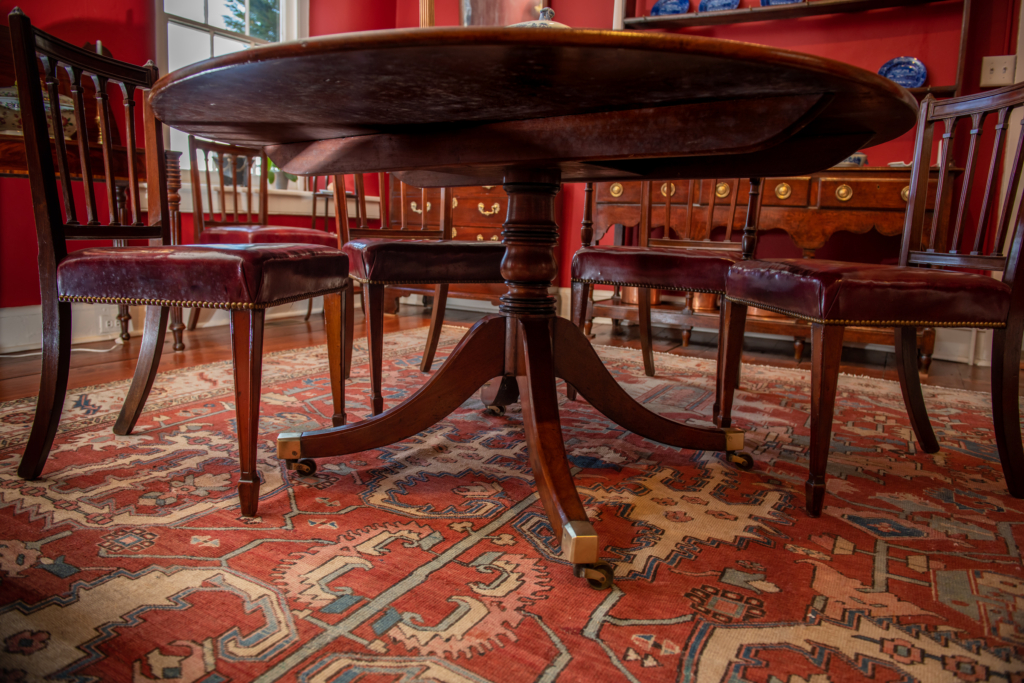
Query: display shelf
[{"x": 747, "y": 14}]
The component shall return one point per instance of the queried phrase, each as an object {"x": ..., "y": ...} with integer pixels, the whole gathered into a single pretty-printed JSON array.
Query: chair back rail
[
  {"x": 227, "y": 160},
  {"x": 407, "y": 229},
  {"x": 39, "y": 61},
  {"x": 989, "y": 248},
  {"x": 692, "y": 204}
]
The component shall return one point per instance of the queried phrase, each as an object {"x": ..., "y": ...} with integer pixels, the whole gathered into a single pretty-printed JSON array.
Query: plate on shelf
[
  {"x": 663, "y": 7},
  {"x": 774, "y": 3},
  {"x": 906, "y": 71},
  {"x": 717, "y": 5}
]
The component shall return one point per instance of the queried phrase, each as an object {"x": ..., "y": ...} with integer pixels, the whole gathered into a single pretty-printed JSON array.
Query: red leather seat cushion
[
  {"x": 660, "y": 267},
  {"x": 389, "y": 261},
  {"x": 202, "y": 275},
  {"x": 859, "y": 293},
  {"x": 266, "y": 234}
]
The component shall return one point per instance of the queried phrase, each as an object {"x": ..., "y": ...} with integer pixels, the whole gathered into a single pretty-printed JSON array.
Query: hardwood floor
[{"x": 19, "y": 377}]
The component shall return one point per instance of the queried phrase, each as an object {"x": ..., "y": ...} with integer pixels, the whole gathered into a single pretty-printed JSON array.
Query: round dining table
[{"x": 530, "y": 108}]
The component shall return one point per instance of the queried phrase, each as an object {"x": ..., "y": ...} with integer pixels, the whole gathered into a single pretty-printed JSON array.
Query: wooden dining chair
[
  {"x": 693, "y": 263},
  {"x": 409, "y": 255},
  {"x": 245, "y": 279},
  {"x": 238, "y": 221},
  {"x": 920, "y": 291}
]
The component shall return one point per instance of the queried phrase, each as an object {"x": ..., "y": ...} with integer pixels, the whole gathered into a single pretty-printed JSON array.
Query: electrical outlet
[
  {"x": 998, "y": 71},
  {"x": 108, "y": 324}
]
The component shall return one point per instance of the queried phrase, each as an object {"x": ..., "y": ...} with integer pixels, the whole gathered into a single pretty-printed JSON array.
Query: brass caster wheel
[
  {"x": 305, "y": 467},
  {"x": 599, "y": 575},
  {"x": 496, "y": 410},
  {"x": 741, "y": 459}
]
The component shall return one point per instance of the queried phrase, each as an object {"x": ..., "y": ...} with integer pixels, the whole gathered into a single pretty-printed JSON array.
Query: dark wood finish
[
  {"x": 394, "y": 128},
  {"x": 373, "y": 309},
  {"x": 227, "y": 157},
  {"x": 826, "y": 350},
  {"x": 570, "y": 76},
  {"x": 174, "y": 211},
  {"x": 810, "y": 214},
  {"x": 247, "y": 363},
  {"x": 730, "y": 351},
  {"x": 996, "y": 247},
  {"x": 910, "y": 384},
  {"x": 338, "y": 352},
  {"x": 38, "y": 55},
  {"x": 145, "y": 371}
]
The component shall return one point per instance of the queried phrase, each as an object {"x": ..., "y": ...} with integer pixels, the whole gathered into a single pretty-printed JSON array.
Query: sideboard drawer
[
  {"x": 786, "y": 191},
  {"x": 477, "y": 234},
  {"x": 866, "y": 193}
]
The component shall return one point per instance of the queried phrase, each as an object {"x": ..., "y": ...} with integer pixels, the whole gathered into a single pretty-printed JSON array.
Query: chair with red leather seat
[
  {"x": 694, "y": 263},
  {"x": 405, "y": 257},
  {"x": 237, "y": 222},
  {"x": 244, "y": 278},
  {"x": 917, "y": 292}
]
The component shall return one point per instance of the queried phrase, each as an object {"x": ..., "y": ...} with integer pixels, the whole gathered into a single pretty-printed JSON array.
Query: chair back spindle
[
  {"x": 236, "y": 161},
  {"x": 988, "y": 249},
  {"x": 58, "y": 218}
]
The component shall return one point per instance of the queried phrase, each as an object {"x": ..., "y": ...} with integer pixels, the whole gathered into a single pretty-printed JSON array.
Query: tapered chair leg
[
  {"x": 826, "y": 351},
  {"x": 349, "y": 316},
  {"x": 145, "y": 369},
  {"x": 436, "y": 323},
  {"x": 1005, "y": 405},
  {"x": 247, "y": 362},
  {"x": 732, "y": 320},
  {"x": 309, "y": 309},
  {"x": 337, "y": 349},
  {"x": 193, "y": 319},
  {"x": 644, "y": 323},
  {"x": 53, "y": 384},
  {"x": 910, "y": 384},
  {"x": 579, "y": 308},
  {"x": 373, "y": 306},
  {"x": 177, "y": 328}
]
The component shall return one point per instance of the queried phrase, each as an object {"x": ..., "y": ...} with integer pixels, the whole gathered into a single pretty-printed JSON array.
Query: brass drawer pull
[
  {"x": 783, "y": 190},
  {"x": 416, "y": 209},
  {"x": 722, "y": 190},
  {"x": 668, "y": 190},
  {"x": 844, "y": 193},
  {"x": 495, "y": 208},
  {"x": 905, "y": 193},
  {"x": 479, "y": 238},
  {"x": 615, "y": 190},
  {"x": 455, "y": 202},
  {"x": 494, "y": 238},
  {"x": 455, "y": 233}
]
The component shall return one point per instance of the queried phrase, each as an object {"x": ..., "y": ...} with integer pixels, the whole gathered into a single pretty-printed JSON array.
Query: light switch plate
[{"x": 998, "y": 71}]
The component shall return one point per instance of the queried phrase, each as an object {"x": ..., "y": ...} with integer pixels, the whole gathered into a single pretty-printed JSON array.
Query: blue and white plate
[
  {"x": 717, "y": 5},
  {"x": 773, "y": 3},
  {"x": 906, "y": 71},
  {"x": 663, "y": 7}
]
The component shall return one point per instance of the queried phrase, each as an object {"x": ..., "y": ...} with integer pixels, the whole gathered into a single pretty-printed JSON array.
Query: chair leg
[
  {"x": 349, "y": 318},
  {"x": 337, "y": 349},
  {"x": 578, "y": 309},
  {"x": 193, "y": 319},
  {"x": 123, "y": 317},
  {"x": 177, "y": 328},
  {"x": 436, "y": 323},
  {"x": 309, "y": 309},
  {"x": 644, "y": 322},
  {"x": 145, "y": 369},
  {"x": 826, "y": 351},
  {"x": 53, "y": 384},
  {"x": 732, "y": 320},
  {"x": 1005, "y": 407},
  {"x": 247, "y": 363},
  {"x": 910, "y": 383},
  {"x": 373, "y": 305}
]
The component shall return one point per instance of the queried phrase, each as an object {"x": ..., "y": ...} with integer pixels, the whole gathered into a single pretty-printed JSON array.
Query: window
[{"x": 201, "y": 29}]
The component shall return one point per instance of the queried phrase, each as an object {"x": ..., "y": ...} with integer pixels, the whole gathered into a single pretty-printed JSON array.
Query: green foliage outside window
[{"x": 264, "y": 18}]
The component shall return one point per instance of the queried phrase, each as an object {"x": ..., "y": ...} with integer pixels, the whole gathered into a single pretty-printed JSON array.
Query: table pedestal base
[{"x": 521, "y": 351}]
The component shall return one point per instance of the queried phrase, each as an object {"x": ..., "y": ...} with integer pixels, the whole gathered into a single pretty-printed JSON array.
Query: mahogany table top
[{"x": 456, "y": 106}]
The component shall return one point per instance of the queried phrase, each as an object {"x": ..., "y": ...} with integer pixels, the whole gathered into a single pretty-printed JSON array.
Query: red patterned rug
[{"x": 432, "y": 560}]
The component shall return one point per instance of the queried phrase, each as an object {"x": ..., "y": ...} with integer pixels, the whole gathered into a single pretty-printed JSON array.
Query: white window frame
[{"x": 294, "y": 26}]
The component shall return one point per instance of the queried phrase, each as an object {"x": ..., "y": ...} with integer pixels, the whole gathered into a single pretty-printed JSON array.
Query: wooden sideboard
[{"x": 809, "y": 209}]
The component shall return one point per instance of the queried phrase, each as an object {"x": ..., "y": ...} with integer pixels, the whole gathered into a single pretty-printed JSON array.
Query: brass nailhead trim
[
  {"x": 428, "y": 282},
  {"x": 231, "y": 306},
  {"x": 868, "y": 323},
  {"x": 634, "y": 284}
]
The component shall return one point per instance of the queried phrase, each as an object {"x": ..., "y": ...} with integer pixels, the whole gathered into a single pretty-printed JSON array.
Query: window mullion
[{"x": 248, "y": 19}]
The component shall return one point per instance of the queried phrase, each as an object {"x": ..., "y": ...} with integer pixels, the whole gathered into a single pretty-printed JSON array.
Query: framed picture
[{"x": 499, "y": 12}]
